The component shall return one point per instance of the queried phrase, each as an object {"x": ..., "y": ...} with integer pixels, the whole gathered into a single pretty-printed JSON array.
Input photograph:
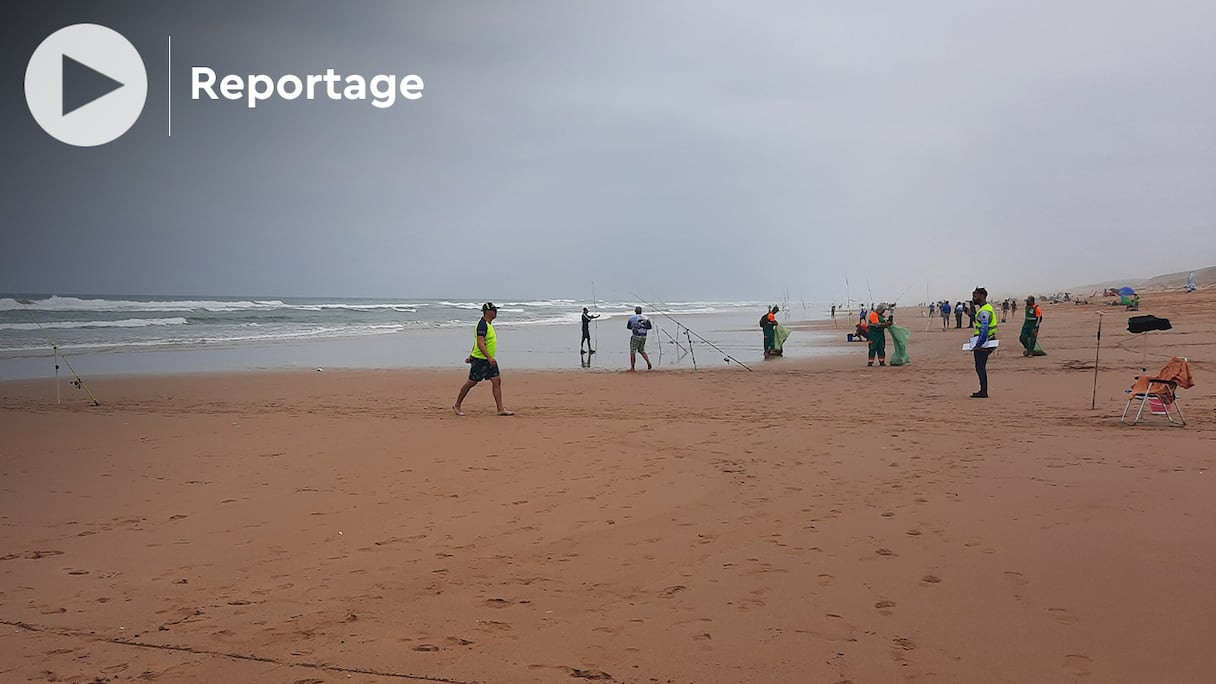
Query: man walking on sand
[
  {"x": 638, "y": 325},
  {"x": 1030, "y": 327},
  {"x": 482, "y": 362},
  {"x": 985, "y": 329}
]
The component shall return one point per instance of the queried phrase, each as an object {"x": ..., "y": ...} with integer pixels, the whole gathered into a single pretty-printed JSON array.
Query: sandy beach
[{"x": 812, "y": 521}]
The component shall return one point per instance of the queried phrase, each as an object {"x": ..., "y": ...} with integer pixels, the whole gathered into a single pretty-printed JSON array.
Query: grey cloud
[{"x": 691, "y": 150}]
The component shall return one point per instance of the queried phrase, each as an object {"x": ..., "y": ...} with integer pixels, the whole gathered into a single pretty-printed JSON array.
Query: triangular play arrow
[{"x": 83, "y": 84}]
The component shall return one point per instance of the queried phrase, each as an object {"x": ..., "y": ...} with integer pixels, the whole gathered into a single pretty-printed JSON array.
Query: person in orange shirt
[
  {"x": 878, "y": 325},
  {"x": 1030, "y": 328}
]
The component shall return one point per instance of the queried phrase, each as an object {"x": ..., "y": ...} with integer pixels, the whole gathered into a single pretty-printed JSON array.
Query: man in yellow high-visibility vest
[
  {"x": 482, "y": 362},
  {"x": 985, "y": 329}
]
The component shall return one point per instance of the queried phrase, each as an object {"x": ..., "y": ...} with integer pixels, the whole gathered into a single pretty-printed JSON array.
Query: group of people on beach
[
  {"x": 483, "y": 364},
  {"x": 873, "y": 325}
]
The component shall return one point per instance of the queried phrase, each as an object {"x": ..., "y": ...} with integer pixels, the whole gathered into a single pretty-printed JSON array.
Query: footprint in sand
[
  {"x": 672, "y": 590},
  {"x": 1078, "y": 665},
  {"x": 930, "y": 579},
  {"x": 825, "y": 580},
  {"x": 904, "y": 644},
  {"x": 493, "y": 625},
  {"x": 1016, "y": 578},
  {"x": 836, "y": 628},
  {"x": 1062, "y": 616},
  {"x": 884, "y": 607},
  {"x": 426, "y": 648},
  {"x": 913, "y": 533},
  {"x": 885, "y": 552}
]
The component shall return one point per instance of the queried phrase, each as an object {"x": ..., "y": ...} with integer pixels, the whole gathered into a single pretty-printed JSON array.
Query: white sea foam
[
  {"x": 68, "y": 325},
  {"x": 209, "y": 340},
  {"x": 57, "y": 303}
]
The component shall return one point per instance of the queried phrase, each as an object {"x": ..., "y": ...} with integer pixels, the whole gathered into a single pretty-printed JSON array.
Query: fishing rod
[
  {"x": 595, "y": 304},
  {"x": 690, "y": 332},
  {"x": 77, "y": 381}
]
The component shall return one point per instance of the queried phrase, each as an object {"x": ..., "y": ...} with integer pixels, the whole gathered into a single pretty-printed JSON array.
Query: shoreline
[{"x": 525, "y": 347}]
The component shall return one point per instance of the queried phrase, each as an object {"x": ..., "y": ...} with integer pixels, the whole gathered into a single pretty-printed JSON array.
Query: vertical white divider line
[{"x": 169, "y": 96}]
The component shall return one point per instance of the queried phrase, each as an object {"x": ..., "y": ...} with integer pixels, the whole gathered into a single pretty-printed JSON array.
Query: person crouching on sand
[{"x": 482, "y": 362}]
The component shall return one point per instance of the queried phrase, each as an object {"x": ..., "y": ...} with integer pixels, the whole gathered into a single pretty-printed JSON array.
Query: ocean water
[{"x": 125, "y": 334}]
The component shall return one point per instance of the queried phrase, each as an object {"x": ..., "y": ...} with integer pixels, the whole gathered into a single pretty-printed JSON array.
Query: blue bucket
[{"x": 850, "y": 337}]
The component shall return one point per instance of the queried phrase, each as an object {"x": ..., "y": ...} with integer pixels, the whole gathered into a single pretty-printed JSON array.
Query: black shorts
[{"x": 481, "y": 369}]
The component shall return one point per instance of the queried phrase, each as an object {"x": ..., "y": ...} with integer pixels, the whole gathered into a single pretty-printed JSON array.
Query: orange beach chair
[{"x": 1160, "y": 392}]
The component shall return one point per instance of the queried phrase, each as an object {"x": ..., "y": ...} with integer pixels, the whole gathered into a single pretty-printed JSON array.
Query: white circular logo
[{"x": 86, "y": 85}]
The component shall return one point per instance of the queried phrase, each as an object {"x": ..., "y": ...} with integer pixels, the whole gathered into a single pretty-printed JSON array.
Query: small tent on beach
[{"x": 1127, "y": 296}]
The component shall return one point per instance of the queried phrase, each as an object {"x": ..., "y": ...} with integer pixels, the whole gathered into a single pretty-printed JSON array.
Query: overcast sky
[{"x": 688, "y": 150}]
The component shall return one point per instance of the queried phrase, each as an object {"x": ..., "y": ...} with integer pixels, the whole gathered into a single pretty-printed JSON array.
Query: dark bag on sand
[{"x": 1139, "y": 324}]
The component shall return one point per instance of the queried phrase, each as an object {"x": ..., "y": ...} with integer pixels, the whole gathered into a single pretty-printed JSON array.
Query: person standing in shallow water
[
  {"x": 482, "y": 362},
  {"x": 638, "y": 326},
  {"x": 587, "y": 318},
  {"x": 768, "y": 326}
]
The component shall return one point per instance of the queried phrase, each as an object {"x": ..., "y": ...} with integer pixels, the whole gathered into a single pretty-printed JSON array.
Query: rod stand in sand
[
  {"x": 660, "y": 346},
  {"x": 1093, "y": 402},
  {"x": 676, "y": 342},
  {"x": 688, "y": 336},
  {"x": 690, "y": 333},
  {"x": 76, "y": 379},
  {"x": 57, "y": 355}
]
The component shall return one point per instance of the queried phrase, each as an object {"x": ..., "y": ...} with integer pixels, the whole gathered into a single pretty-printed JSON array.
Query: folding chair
[{"x": 1160, "y": 394}]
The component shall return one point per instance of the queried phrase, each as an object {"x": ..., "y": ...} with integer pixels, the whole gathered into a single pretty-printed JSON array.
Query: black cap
[{"x": 489, "y": 306}]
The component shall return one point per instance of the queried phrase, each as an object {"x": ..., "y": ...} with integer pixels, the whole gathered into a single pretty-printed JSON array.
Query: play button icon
[{"x": 86, "y": 85}]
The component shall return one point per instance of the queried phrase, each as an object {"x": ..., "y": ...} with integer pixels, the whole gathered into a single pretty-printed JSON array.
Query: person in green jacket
[
  {"x": 768, "y": 326},
  {"x": 1030, "y": 327},
  {"x": 877, "y": 328}
]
